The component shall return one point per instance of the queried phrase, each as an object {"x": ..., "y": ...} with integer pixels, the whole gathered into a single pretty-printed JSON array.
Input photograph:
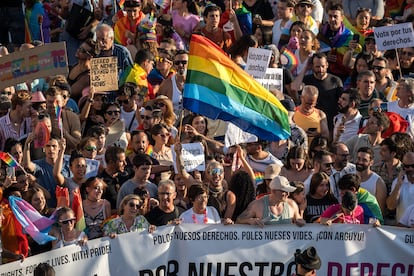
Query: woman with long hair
[
  {"x": 95, "y": 208},
  {"x": 319, "y": 198},
  {"x": 308, "y": 45},
  {"x": 297, "y": 167},
  {"x": 161, "y": 151},
  {"x": 185, "y": 18},
  {"x": 241, "y": 184}
]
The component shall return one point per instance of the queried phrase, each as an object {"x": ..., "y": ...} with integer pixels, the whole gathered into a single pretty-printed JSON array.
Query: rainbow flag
[
  {"x": 8, "y": 159},
  {"x": 33, "y": 223},
  {"x": 58, "y": 114},
  {"x": 162, "y": 3},
  {"x": 219, "y": 89},
  {"x": 289, "y": 60}
]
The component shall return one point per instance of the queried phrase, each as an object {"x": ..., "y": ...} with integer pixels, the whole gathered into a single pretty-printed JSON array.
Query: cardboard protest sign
[
  {"x": 394, "y": 37},
  {"x": 273, "y": 79},
  {"x": 39, "y": 62},
  {"x": 104, "y": 74},
  {"x": 257, "y": 62}
]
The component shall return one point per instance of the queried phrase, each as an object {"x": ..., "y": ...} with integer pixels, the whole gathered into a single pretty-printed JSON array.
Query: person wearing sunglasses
[
  {"x": 66, "y": 233},
  {"x": 95, "y": 208},
  {"x": 162, "y": 69},
  {"x": 220, "y": 197},
  {"x": 402, "y": 188},
  {"x": 79, "y": 74},
  {"x": 114, "y": 125},
  {"x": 173, "y": 87},
  {"x": 129, "y": 219}
]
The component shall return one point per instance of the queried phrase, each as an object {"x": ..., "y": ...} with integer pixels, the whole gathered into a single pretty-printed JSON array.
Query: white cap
[{"x": 281, "y": 183}]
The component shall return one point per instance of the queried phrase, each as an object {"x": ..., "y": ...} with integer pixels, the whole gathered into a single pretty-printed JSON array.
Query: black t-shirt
[
  {"x": 158, "y": 217},
  {"x": 262, "y": 8},
  {"x": 315, "y": 207},
  {"x": 330, "y": 89},
  {"x": 113, "y": 186}
]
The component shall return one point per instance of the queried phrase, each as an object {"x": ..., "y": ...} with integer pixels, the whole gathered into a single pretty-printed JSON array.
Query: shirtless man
[{"x": 275, "y": 208}]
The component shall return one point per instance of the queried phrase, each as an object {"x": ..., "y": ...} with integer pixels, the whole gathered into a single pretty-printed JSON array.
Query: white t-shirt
[{"x": 211, "y": 215}]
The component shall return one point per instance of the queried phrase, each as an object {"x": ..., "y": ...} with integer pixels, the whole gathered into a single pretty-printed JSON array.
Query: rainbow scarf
[
  {"x": 33, "y": 223},
  {"x": 8, "y": 159},
  {"x": 219, "y": 89}
]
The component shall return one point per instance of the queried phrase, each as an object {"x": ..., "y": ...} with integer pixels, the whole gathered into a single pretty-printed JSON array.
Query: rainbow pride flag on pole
[
  {"x": 8, "y": 159},
  {"x": 218, "y": 88}
]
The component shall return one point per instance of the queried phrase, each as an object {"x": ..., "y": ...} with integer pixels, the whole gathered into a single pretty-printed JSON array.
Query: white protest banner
[
  {"x": 104, "y": 74},
  {"x": 394, "y": 37},
  {"x": 257, "y": 62},
  {"x": 92, "y": 167},
  {"x": 39, "y": 62},
  {"x": 192, "y": 156},
  {"x": 273, "y": 79},
  {"x": 215, "y": 249}
]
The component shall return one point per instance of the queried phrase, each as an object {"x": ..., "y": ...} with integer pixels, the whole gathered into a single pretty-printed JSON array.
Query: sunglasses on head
[
  {"x": 67, "y": 221},
  {"x": 159, "y": 104},
  {"x": 178, "y": 62},
  {"x": 141, "y": 193}
]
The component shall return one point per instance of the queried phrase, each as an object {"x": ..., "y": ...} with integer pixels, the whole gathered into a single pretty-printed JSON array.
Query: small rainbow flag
[
  {"x": 218, "y": 88},
  {"x": 8, "y": 159},
  {"x": 58, "y": 113},
  {"x": 289, "y": 60},
  {"x": 150, "y": 151}
]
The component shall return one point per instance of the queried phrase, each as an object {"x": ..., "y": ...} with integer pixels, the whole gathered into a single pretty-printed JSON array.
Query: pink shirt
[{"x": 356, "y": 218}]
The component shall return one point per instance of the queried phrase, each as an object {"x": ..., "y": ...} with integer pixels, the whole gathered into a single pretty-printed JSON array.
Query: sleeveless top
[
  {"x": 218, "y": 201},
  {"x": 270, "y": 219},
  {"x": 305, "y": 122},
  {"x": 93, "y": 224},
  {"x": 371, "y": 183},
  {"x": 62, "y": 242}
]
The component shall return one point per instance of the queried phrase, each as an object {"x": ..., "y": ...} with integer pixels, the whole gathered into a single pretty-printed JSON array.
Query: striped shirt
[{"x": 8, "y": 131}]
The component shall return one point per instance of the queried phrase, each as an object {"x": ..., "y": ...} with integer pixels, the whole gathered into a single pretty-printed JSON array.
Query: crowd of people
[{"x": 111, "y": 162}]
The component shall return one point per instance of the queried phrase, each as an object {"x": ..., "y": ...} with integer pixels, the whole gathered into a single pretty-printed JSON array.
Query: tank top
[
  {"x": 305, "y": 122},
  {"x": 371, "y": 184},
  {"x": 270, "y": 218},
  {"x": 93, "y": 224}
]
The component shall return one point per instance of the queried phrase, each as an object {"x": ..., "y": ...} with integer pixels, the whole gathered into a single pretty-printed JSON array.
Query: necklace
[
  {"x": 214, "y": 193},
  {"x": 96, "y": 203},
  {"x": 195, "y": 220}
]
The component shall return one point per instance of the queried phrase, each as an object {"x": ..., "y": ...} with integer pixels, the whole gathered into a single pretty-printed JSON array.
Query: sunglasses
[
  {"x": 8, "y": 93},
  {"x": 379, "y": 68},
  {"x": 162, "y": 59},
  {"x": 305, "y": 6},
  {"x": 216, "y": 171},
  {"x": 178, "y": 62},
  {"x": 90, "y": 148},
  {"x": 133, "y": 205},
  {"x": 407, "y": 166},
  {"x": 141, "y": 193},
  {"x": 67, "y": 221},
  {"x": 159, "y": 104},
  {"x": 164, "y": 135},
  {"x": 115, "y": 112},
  {"x": 328, "y": 164},
  {"x": 146, "y": 117},
  {"x": 42, "y": 116},
  {"x": 123, "y": 101}
]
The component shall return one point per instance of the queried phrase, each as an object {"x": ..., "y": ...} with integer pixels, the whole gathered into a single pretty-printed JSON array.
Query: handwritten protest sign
[
  {"x": 192, "y": 156},
  {"x": 273, "y": 79},
  {"x": 104, "y": 74},
  {"x": 257, "y": 62},
  {"x": 39, "y": 62},
  {"x": 394, "y": 37}
]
